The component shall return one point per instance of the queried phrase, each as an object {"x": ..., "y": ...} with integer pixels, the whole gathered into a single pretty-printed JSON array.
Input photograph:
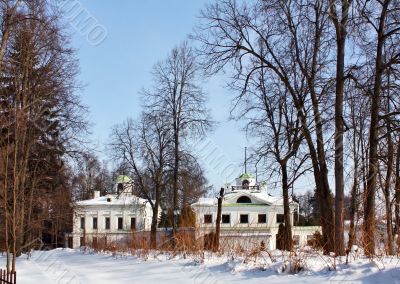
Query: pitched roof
[
  {"x": 246, "y": 176},
  {"x": 115, "y": 200},
  {"x": 260, "y": 198}
]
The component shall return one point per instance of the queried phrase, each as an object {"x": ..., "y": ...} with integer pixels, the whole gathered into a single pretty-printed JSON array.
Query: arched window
[
  {"x": 243, "y": 199},
  {"x": 245, "y": 184}
]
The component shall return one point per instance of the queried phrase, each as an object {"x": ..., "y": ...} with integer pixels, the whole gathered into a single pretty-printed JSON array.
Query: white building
[
  {"x": 110, "y": 218},
  {"x": 250, "y": 216}
]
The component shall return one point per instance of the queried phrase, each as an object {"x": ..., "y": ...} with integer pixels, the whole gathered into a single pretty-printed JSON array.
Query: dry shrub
[{"x": 317, "y": 241}]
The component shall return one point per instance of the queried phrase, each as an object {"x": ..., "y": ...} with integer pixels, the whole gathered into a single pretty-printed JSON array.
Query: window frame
[
  {"x": 120, "y": 224},
  {"x": 222, "y": 218},
  {"x": 278, "y": 215},
  {"x": 94, "y": 223},
  {"x": 205, "y": 219},
  {"x": 107, "y": 223},
  {"x": 258, "y": 218},
  {"x": 82, "y": 224},
  {"x": 133, "y": 228},
  {"x": 244, "y": 215}
]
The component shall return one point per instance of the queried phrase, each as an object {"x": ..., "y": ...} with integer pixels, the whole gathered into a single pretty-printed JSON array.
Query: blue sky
[{"x": 140, "y": 33}]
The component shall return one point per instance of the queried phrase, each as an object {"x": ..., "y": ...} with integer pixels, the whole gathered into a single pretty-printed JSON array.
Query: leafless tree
[
  {"x": 340, "y": 22},
  {"x": 90, "y": 175},
  {"x": 379, "y": 25},
  {"x": 145, "y": 148},
  {"x": 289, "y": 41},
  {"x": 178, "y": 96},
  {"x": 356, "y": 116},
  {"x": 272, "y": 120},
  {"x": 40, "y": 116}
]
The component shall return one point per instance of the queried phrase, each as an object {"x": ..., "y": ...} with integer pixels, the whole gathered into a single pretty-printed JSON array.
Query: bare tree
[
  {"x": 273, "y": 121},
  {"x": 39, "y": 113},
  {"x": 357, "y": 117},
  {"x": 380, "y": 19},
  {"x": 9, "y": 20},
  {"x": 91, "y": 175},
  {"x": 397, "y": 194},
  {"x": 287, "y": 40},
  {"x": 145, "y": 148},
  {"x": 340, "y": 22},
  {"x": 179, "y": 98}
]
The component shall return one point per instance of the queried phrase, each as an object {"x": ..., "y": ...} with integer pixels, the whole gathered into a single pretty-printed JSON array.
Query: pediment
[{"x": 243, "y": 198}]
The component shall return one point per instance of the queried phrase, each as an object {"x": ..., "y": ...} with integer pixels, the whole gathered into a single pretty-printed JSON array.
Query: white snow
[
  {"x": 73, "y": 266},
  {"x": 114, "y": 199}
]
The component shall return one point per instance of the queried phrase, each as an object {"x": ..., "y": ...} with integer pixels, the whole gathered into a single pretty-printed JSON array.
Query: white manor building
[
  {"x": 250, "y": 216},
  {"x": 110, "y": 218}
]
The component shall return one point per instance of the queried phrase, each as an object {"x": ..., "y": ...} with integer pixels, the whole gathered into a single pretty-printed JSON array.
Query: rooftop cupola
[
  {"x": 246, "y": 182},
  {"x": 124, "y": 185}
]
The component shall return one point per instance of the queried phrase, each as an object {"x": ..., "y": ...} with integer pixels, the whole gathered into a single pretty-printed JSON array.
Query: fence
[{"x": 7, "y": 278}]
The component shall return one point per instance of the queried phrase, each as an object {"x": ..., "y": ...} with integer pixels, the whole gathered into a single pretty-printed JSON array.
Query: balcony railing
[{"x": 250, "y": 188}]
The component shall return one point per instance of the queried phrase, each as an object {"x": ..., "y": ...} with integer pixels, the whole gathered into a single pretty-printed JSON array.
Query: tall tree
[
  {"x": 380, "y": 20},
  {"x": 145, "y": 148},
  {"x": 272, "y": 120},
  {"x": 340, "y": 22},
  {"x": 40, "y": 118},
  {"x": 178, "y": 96},
  {"x": 288, "y": 40}
]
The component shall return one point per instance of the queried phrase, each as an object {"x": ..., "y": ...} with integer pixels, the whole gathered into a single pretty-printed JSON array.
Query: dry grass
[{"x": 249, "y": 251}]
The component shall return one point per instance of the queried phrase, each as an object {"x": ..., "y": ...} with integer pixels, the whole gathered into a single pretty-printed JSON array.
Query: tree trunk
[
  {"x": 6, "y": 211},
  {"x": 340, "y": 27},
  {"x": 153, "y": 229},
  {"x": 320, "y": 172},
  {"x": 386, "y": 192},
  {"x": 288, "y": 240},
  {"x": 354, "y": 189},
  {"x": 175, "y": 178},
  {"x": 369, "y": 195},
  {"x": 397, "y": 197},
  {"x": 218, "y": 221}
]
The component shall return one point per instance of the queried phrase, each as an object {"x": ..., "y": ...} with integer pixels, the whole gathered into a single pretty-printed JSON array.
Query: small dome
[
  {"x": 123, "y": 179},
  {"x": 246, "y": 176}
]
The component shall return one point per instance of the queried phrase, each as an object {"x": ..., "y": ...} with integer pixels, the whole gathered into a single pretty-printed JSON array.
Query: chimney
[{"x": 96, "y": 193}]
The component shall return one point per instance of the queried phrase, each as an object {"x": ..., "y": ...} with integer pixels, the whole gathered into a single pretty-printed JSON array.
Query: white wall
[
  {"x": 142, "y": 214},
  {"x": 252, "y": 230},
  {"x": 236, "y": 211}
]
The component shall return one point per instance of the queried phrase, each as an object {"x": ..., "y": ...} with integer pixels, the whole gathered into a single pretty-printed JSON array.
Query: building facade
[
  {"x": 250, "y": 216},
  {"x": 110, "y": 218}
]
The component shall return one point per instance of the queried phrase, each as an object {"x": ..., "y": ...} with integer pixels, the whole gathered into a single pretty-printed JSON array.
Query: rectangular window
[
  {"x": 207, "y": 218},
  {"x": 226, "y": 219},
  {"x": 120, "y": 223},
  {"x": 133, "y": 224},
  {"x": 244, "y": 218},
  {"x": 280, "y": 218},
  {"x": 82, "y": 223},
  {"x": 95, "y": 223},
  {"x": 262, "y": 218},
  {"x": 107, "y": 223}
]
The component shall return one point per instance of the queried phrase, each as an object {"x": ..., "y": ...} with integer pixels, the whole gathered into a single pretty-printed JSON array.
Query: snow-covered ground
[{"x": 73, "y": 266}]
